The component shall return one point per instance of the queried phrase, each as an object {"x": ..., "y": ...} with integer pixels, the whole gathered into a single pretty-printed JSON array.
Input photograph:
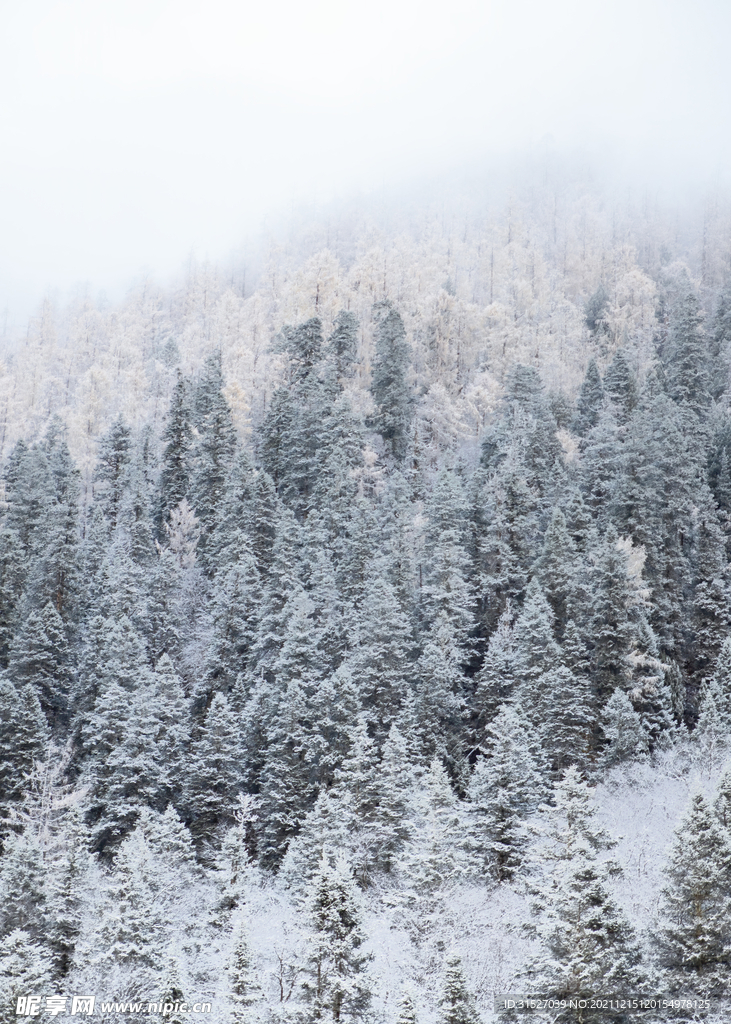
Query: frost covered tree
[
  {"x": 505, "y": 786},
  {"x": 456, "y": 1005},
  {"x": 389, "y": 387},
  {"x": 693, "y": 933},
  {"x": 244, "y": 989},
  {"x": 25, "y": 969},
  {"x": 586, "y": 943},
  {"x": 337, "y": 986}
]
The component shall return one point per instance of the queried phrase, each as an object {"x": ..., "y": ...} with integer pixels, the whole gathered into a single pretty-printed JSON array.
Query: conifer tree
[
  {"x": 177, "y": 440},
  {"x": 40, "y": 657},
  {"x": 70, "y": 881},
  {"x": 435, "y": 856},
  {"x": 243, "y": 986},
  {"x": 504, "y": 788},
  {"x": 12, "y": 578},
  {"x": 694, "y": 924},
  {"x": 687, "y": 365},
  {"x": 129, "y": 933},
  {"x": 342, "y": 344},
  {"x": 214, "y": 773},
  {"x": 623, "y": 729},
  {"x": 456, "y": 1005},
  {"x": 25, "y": 969},
  {"x": 236, "y": 601},
  {"x": 621, "y": 387},
  {"x": 406, "y": 1009},
  {"x": 587, "y": 944},
  {"x": 24, "y": 885},
  {"x": 594, "y": 312},
  {"x": 389, "y": 386},
  {"x": 213, "y": 448},
  {"x": 337, "y": 986},
  {"x": 24, "y": 734},
  {"x": 381, "y": 657},
  {"x": 110, "y": 475},
  {"x": 589, "y": 402},
  {"x": 496, "y": 677}
]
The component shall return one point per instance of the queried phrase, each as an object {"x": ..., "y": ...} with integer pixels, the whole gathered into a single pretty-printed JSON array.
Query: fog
[{"x": 134, "y": 133}]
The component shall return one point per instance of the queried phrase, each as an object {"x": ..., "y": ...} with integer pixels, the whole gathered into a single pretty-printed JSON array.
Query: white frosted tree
[
  {"x": 505, "y": 786},
  {"x": 337, "y": 985}
]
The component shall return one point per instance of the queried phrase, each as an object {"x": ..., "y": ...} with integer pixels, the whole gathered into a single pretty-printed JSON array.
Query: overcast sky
[{"x": 135, "y": 131}]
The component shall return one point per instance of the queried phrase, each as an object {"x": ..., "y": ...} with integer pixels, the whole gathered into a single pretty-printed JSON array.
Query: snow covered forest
[{"x": 364, "y": 626}]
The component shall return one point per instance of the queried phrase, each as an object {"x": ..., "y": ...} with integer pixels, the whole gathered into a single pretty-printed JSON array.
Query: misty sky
[{"x": 133, "y": 132}]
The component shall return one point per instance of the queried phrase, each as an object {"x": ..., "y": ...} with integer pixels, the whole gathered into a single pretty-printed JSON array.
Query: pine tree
[
  {"x": 435, "y": 857},
  {"x": 214, "y": 773},
  {"x": 623, "y": 729},
  {"x": 586, "y": 944},
  {"x": 110, "y": 475},
  {"x": 621, "y": 387},
  {"x": 406, "y": 1009},
  {"x": 687, "y": 364},
  {"x": 693, "y": 933},
  {"x": 589, "y": 402},
  {"x": 556, "y": 570},
  {"x": 342, "y": 344},
  {"x": 504, "y": 788},
  {"x": 214, "y": 446},
  {"x": 39, "y": 657},
  {"x": 13, "y": 570},
  {"x": 337, "y": 986},
  {"x": 176, "y": 458},
  {"x": 536, "y": 651},
  {"x": 389, "y": 386},
  {"x": 24, "y": 885},
  {"x": 70, "y": 882},
  {"x": 496, "y": 677},
  {"x": 130, "y": 930},
  {"x": 243, "y": 986},
  {"x": 303, "y": 344},
  {"x": 381, "y": 658},
  {"x": 456, "y": 1005},
  {"x": 25, "y": 969},
  {"x": 595, "y": 310},
  {"x": 23, "y": 737},
  {"x": 236, "y": 601},
  {"x": 172, "y": 994}
]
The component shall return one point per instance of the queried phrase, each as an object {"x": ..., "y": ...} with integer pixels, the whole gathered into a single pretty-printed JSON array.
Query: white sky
[{"x": 133, "y": 131}]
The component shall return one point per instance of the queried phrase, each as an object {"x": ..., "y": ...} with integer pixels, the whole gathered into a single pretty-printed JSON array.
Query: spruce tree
[
  {"x": 110, "y": 475},
  {"x": 243, "y": 987},
  {"x": 342, "y": 344},
  {"x": 688, "y": 374},
  {"x": 587, "y": 946},
  {"x": 693, "y": 932},
  {"x": 620, "y": 386},
  {"x": 456, "y": 1005},
  {"x": 504, "y": 788},
  {"x": 337, "y": 985},
  {"x": 71, "y": 878},
  {"x": 214, "y": 773},
  {"x": 213, "y": 448},
  {"x": 623, "y": 730},
  {"x": 25, "y": 970},
  {"x": 177, "y": 440},
  {"x": 389, "y": 387},
  {"x": 40, "y": 657},
  {"x": 589, "y": 402},
  {"x": 24, "y": 734},
  {"x": 406, "y": 1009}
]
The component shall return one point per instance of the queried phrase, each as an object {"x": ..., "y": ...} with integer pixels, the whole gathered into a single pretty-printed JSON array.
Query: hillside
[{"x": 365, "y": 629}]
